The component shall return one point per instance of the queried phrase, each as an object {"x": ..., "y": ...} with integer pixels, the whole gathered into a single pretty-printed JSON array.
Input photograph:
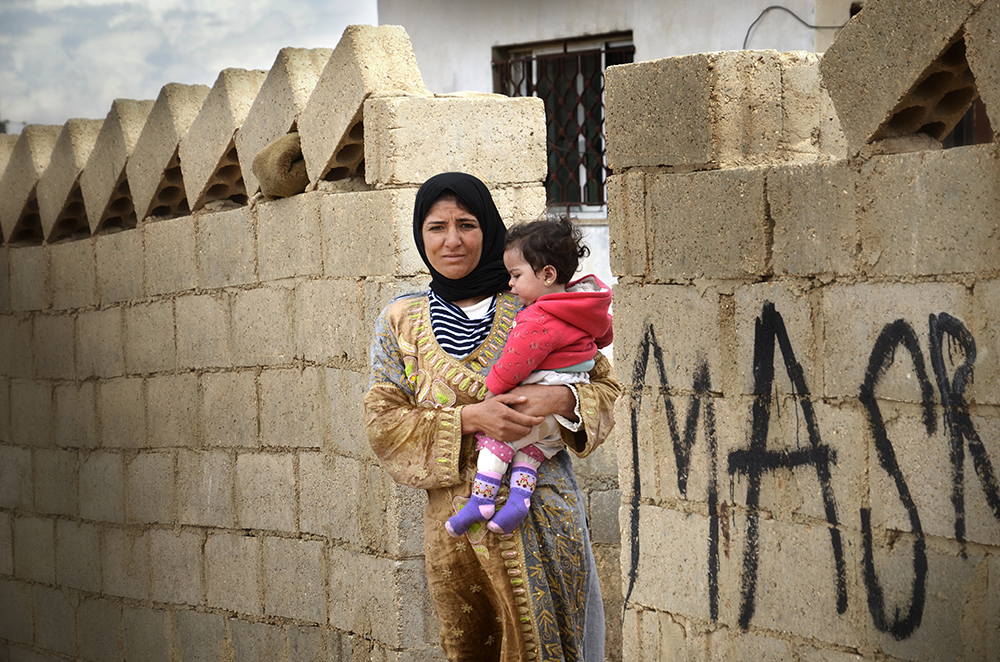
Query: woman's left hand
[{"x": 544, "y": 400}]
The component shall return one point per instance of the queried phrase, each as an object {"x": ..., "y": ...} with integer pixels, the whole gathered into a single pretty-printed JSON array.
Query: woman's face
[{"x": 453, "y": 239}]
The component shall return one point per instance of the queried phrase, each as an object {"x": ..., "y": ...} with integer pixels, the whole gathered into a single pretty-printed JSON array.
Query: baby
[{"x": 553, "y": 341}]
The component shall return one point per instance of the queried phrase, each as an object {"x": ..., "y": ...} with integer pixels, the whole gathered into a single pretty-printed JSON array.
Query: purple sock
[
  {"x": 522, "y": 486},
  {"x": 480, "y": 507}
]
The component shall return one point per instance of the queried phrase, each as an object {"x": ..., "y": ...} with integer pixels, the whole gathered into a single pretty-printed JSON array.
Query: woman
[{"x": 532, "y": 594}]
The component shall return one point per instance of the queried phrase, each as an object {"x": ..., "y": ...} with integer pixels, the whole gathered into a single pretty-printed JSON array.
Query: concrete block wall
[
  {"x": 184, "y": 473},
  {"x": 809, "y": 451}
]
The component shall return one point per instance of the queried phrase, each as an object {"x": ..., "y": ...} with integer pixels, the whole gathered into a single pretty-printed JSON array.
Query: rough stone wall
[
  {"x": 807, "y": 313},
  {"x": 184, "y": 473}
]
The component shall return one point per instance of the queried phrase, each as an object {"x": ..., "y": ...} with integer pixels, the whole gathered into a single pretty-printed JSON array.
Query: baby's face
[{"x": 527, "y": 283}]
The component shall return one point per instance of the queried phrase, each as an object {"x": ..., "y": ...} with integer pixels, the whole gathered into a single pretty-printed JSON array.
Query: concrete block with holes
[
  {"x": 209, "y": 162},
  {"x": 982, "y": 41},
  {"x": 409, "y": 139},
  {"x": 707, "y": 109},
  {"x": 368, "y": 60},
  {"x": 898, "y": 69},
  {"x": 60, "y": 200},
  {"x": 18, "y": 200},
  {"x": 154, "y": 171},
  {"x": 104, "y": 180},
  {"x": 275, "y": 111}
]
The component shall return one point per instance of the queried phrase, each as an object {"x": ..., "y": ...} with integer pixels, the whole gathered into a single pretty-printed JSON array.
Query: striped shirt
[{"x": 455, "y": 332}]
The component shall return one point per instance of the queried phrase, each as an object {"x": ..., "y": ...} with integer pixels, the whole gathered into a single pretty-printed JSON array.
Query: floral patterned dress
[{"x": 529, "y": 595}]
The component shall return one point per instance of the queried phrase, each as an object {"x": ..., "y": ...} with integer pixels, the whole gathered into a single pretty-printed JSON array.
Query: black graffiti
[
  {"x": 682, "y": 443},
  {"x": 894, "y": 335},
  {"x": 957, "y": 422},
  {"x": 756, "y": 460}
]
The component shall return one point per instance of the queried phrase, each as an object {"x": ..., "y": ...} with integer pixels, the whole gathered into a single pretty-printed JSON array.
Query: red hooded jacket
[{"x": 557, "y": 331}]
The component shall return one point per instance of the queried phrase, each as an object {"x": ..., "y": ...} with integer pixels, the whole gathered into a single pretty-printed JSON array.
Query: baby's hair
[{"x": 556, "y": 242}]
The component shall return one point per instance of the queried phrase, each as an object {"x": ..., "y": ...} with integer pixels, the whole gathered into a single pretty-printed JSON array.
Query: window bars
[{"x": 569, "y": 78}]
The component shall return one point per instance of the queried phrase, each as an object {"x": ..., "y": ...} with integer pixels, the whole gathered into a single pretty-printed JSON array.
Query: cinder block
[
  {"x": 154, "y": 169},
  {"x": 233, "y": 573},
  {"x": 15, "y": 477},
  {"x": 119, "y": 266},
  {"x": 53, "y": 346},
  {"x": 16, "y": 333},
  {"x": 229, "y": 408},
  {"x": 257, "y": 641},
  {"x": 6, "y": 544},
  {"x": 982, "y": 34},
  {"x": 209, "y": 161},
  {"x": 203, "y": 337},
  {"x": 367, "y": 61},
  {"x": 263, "y": 329},
  {"x": 73, "y": 275},
  {"x": 708, "y": 109},
  {"x": 601, "y": 468},
  {"x": 102, "y": 487},
  {"x": 525, "y": 202},
  {"x": 60, "y": 199},
  {"x": 404, "y": 138},
  {"x": 855, "y": 316},
  {"x": 29, "y": 272},
  {"x": 31, "y": 412},
  {"x": 205, "y": 488},
  {"x": 19, "y": 217},
  {"x": 329, "y": 486},
  {"x": 78, "y": 555},
  {"x": 328, "y": 318},
  {"x": 172, "y": 410},
  {"x": 796, "y": 582},
  {"x": 200, "y": 635},
  {"x": 125, "y": 563},
  {"x": 16, "y": 611},
  {"x": 55, "y": 620},
  {"x": 345, "y": 390},
  {"x": 892, "y": 72},
  {"x": 348, "y": 220},
  {"x": 603, "y": 517},
  {"x": 627, "y": 223},
  {"x": 56, "y": 481},
  {"x": 4, "y": 276},
  {"x": 706, "y": 224},
  {"x": 985, "y": 388},
  {"x": 35, "y": 549},
  {"x": 176, "y": 566},
  {"x": 150, "y": 344},
  {"x": 7, "y": 143},
  {"x": 308, "y": 643},
  {"x": 266, "y": 491},
  {"x": 147, "y": 634},
  {"x": 814, "y": 209},
  {"x": 674, "y": 553},
  {"x": 149, "y": 488},
  {"x": 121, "y": 413},
  {"x": 390, "y": 516},
  {"x": 388, "y": 598},
  {"x": 288, "y": 237},
  {"x": 955, "y": 583},
  {"x": 75, "y": 415},
  {"x": 294, "y": 587},
  {"x": 226, "y": 249},
  {"x": 276, "y": 108},
  {"x": 169, "y": 254},
  {"x": 930, "y": 213},
  {"x": 5, "y": 410},
  {"x": 100, "y": 350},
  {"x": 104, "y": 179},
  {"x": 823, "y": 655},
  {"x": 810, "y": 126},
  {"x": 99, "y": 629},
  {"x": 292, "y": 407}
]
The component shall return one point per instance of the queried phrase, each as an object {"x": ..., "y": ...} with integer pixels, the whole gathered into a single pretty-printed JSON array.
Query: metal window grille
[{"x": 569, "y": 78}]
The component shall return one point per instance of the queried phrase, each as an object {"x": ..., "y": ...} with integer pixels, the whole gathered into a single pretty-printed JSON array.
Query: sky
[{"x": 71, "y": 58}]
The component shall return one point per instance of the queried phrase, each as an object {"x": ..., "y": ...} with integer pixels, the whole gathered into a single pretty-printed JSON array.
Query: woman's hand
[
  {"x": 501, "y": 418},
  {"x": 540, "y": 400}
]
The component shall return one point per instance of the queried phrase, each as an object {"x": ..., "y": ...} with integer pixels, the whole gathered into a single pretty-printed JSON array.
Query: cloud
[{"x": 72, "y": 58}]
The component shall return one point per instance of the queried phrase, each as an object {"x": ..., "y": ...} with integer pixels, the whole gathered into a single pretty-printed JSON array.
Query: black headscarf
[{"x": 490, "y": 275}]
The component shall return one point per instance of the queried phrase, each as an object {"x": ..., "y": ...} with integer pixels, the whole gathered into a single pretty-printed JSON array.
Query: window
[{"x": 569, "y": 77}]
